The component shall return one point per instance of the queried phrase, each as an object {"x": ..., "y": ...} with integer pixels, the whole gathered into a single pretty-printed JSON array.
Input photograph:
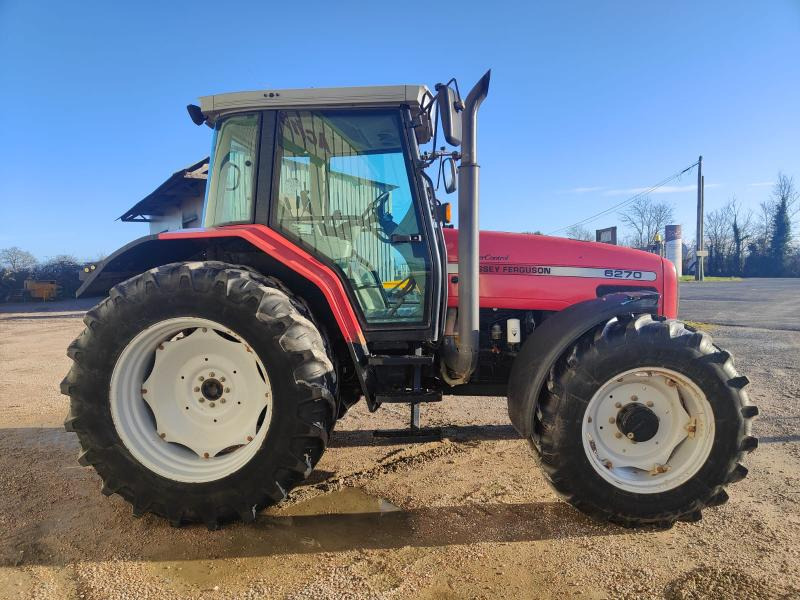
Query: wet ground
[{"x": 467, "y": 517}]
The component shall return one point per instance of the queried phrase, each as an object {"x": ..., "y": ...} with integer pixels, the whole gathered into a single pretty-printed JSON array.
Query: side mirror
[
  {"x": 195, "y": 114},
  {"x": 447, "y": 101},
  {"x": 448, "y": 164}
]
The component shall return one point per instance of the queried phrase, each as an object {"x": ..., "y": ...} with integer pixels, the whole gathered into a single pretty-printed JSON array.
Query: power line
[{"x": 628, "y": 200}]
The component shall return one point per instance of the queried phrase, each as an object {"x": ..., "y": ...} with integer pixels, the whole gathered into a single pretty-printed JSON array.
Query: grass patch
[
  {"x": 707, "y": 327},
  {"x": 690, "y": 279}
]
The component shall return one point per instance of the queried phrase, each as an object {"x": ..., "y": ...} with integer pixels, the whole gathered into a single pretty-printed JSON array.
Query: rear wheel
[
  {"x": 645, "y": 422},
  {"x": 200, "y": 392}
]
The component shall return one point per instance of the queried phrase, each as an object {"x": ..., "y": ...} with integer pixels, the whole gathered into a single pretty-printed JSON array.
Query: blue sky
[{"x": 589, "y": 100}]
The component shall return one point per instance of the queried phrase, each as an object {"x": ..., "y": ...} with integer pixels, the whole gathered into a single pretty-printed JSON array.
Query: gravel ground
[{"x": 468, "y": 517}]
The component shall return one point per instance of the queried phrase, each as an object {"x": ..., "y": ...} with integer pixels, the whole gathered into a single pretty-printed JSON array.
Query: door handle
[{"x": 398, "y": 238}]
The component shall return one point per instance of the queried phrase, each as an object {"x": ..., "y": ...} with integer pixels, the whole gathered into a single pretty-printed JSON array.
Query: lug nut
[
  {"x": 618, "y": 405},
  {"x": 201, "y": 399},
  {"x": 227, "y": 390},
  {"x": 612, "y": 420},
  {"x": 634, "y": 398},
  {"x": 649, "y": 403},
  {"x": 222, "y": 401},
  {"x": 212, "y": 374},
  {"x": 222, "y": 379},
  {"x": 618, "y": 435},
  {"x": 196, "y": 389},
  {"x": 201, "y": 378},
  {"x": 211, "y": 404}
]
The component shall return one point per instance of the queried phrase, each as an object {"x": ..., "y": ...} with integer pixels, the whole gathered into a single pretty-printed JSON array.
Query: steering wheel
[
  {"x": 403, "y": 289},
  {"x": 376, "y": 207},
  {"x": 376, "y": 210}
]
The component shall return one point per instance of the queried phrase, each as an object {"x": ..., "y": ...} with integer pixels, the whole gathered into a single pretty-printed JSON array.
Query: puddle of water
[
  {"x": 347, "y": 501},
  {"x": 338, "y": 521}
]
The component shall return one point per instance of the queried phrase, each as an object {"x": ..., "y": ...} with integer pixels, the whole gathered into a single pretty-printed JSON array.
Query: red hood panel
[{"x": 540, "y": 272}]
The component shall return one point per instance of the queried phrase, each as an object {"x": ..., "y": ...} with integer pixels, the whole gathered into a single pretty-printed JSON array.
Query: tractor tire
[
  {"x": 242, "y": 396},
  {"x": 594, "y": 448}
]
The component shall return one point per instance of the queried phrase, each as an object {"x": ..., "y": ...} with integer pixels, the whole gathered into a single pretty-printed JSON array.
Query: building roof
[
  {"x": 189, "y": 182},
  {"x": 379, "y": 95}
]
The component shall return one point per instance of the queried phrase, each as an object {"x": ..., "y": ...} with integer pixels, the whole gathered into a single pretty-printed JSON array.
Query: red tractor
[{"x": 209, "y": 380}]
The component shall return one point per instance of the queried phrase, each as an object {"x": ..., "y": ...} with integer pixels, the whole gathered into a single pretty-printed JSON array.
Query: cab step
[
  {"x": 409, "y": 397},
  {"x": 396, "y": 360},
  {"x": 414, "y": 433}
]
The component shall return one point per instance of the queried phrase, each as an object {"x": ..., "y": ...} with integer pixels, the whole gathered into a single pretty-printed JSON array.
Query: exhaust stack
[{"x": 460, "y": 352}]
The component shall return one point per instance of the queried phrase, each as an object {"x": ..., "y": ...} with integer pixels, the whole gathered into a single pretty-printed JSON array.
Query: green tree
[{"x": 780, "y": 241}]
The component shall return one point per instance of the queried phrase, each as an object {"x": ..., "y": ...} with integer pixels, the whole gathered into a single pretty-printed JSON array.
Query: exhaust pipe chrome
[{"x": 460, "y": 351}]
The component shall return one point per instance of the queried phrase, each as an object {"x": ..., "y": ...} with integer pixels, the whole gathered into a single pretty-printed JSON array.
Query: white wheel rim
[
  {"x": 676, "y": 452},
  {"x": 186, "y": 396}
]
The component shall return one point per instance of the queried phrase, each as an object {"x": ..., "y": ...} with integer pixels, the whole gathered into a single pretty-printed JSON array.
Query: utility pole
[{"x": 699, "y": 252}]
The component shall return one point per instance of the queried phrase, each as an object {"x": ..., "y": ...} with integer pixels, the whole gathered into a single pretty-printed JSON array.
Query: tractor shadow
[
  {"x": 359, "y": 438},
  {"x": 86, "y": 526},
  {"x": 383, "y": 526}
]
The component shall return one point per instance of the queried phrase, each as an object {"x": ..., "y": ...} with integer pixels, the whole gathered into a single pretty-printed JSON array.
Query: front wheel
[{"x": 644, "y": 423}]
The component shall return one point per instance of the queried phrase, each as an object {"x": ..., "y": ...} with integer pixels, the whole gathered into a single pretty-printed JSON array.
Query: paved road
[{"x": 761, "y": 303}]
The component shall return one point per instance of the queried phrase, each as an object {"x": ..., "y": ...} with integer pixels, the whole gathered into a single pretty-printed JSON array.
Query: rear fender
[
  {"x": 132, "y": 259},
  {"x": 554, "y": 337},
  {"x": 254, "y": 246}
]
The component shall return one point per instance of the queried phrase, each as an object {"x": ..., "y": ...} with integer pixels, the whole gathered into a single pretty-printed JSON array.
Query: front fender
[{"x": 554, "y": 337}]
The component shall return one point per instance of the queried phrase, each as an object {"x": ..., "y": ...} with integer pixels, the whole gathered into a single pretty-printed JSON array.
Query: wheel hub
[
  {"x": 211, "y": 389},
  {"x": 637, "y": 422}
]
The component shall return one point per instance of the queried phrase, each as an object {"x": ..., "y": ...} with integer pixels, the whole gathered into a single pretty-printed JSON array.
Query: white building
[{"x": 175, "y": 204}]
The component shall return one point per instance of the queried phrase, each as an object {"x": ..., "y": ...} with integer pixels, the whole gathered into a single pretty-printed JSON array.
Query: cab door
[{"x": 343, "y": 189}]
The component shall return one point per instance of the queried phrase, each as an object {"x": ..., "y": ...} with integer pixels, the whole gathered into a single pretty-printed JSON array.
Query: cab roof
[{"x": 339, "y": 97}]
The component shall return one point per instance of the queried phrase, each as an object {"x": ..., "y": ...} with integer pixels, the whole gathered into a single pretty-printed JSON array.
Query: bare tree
[
  {"x": 16, "y": 259},
  {"x": 742, "y": 231},
  {"x": 763, "y": 227},
  {"x": 785, "y": 191},
  {"x": 718, "y": 239},
  {"x": 646, "y": 217},
  {"x": 579, "y": 232}
]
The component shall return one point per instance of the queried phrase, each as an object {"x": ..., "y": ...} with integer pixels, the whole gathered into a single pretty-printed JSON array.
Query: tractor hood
[{"x": 539, "y": 272}]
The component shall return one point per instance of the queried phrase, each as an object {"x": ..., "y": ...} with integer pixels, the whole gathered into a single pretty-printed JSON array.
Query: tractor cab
[{"x": 339, "y": 173}]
